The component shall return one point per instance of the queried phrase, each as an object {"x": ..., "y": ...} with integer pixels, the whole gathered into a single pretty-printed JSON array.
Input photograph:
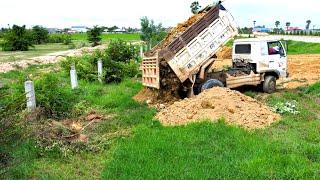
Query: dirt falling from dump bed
[
  {"x": 216, "y": 103},
  {"x": 175, "y": 32},
  {"x": 224, "y": 53},
  {"x": 155, "y": 99}
]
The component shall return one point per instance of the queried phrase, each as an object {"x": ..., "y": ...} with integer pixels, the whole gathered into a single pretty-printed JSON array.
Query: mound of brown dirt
[
  {"x": 218, "y": 103},
  {"x": 154, "y": 98},
  {"x": 175, "y": 32}
]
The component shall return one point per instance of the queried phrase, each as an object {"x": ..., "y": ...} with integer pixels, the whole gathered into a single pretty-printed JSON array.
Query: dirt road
[
  {"x": 47, "y": 59},
  {"x": 304, "y": 70}
]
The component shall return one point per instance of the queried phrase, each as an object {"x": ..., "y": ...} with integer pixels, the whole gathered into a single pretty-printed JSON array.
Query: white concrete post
[
  {"x": 100, "y": 70},
  {"x": 30, "y": 95},
  {"x": 141, "y": 51},
  {"x": 74, "y": 78}
]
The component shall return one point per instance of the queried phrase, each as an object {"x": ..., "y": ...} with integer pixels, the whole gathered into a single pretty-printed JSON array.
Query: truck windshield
[{"x": 243, "y": 49}]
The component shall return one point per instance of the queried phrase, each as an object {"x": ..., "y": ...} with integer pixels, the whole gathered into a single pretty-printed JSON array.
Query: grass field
[
  {"x": 39, "y": 50},
  {"x": 296, "y": 47},
  {"x": 78, "y": 39},
  {"x": 108, "y": 37},
  {"x": 289, "y": 149}
]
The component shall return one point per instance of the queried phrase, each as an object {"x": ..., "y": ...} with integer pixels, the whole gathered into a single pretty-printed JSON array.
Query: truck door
[{"x": 277, "y": 58}]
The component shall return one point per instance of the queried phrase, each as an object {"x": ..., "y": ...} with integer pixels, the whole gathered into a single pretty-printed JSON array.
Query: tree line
[{"x": 19, "y": 38}]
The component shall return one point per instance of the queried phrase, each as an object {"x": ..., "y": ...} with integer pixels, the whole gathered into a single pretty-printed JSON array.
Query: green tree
[
  {"x": 308, "y": 24},
  {"x": 111, "y": 29},
  {"x": 288, "y": 24},
  {"x": 17, "y": 38},
  {"x": 40, "y": 34},
  {"x": 152, "y": 33},
  {"x": 94, "y": 35},
  {"x": 277, "y": 23}
]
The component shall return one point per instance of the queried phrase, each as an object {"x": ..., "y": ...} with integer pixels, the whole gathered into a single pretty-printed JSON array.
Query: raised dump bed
[{"x": 193, "y": 48}]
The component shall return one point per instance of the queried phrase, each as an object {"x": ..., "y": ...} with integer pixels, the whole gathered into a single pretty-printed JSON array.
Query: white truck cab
[{"x": 264, "y": 56}]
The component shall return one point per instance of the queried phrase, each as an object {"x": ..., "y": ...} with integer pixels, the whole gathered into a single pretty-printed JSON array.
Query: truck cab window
[
  {"x": 243, "y": 49},
  {"x": 275, "y": 48}
]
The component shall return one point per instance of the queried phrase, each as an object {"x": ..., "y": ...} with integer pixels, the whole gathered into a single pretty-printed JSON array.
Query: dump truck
[{"x": 191, "y": 56}]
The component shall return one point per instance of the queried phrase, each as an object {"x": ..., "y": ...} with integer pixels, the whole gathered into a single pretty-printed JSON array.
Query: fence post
[
  {"x": 100, "y": 70},
  {"x": 73, "y": 76},
  {"x": 141, "y": 51},
  {"x": 30, "y": 95}
]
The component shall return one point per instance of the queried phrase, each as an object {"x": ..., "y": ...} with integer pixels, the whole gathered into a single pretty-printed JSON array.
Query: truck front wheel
[
  {"x": 211, "y": 83},
  {"x": 269, "y": 84}
]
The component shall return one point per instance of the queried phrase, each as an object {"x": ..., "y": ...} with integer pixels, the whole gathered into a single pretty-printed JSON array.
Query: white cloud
[{"x": 65, "y": 13}]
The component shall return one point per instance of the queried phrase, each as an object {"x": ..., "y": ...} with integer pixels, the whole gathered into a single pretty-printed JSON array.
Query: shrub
[
  {"x": 12, "y": 102},
  {"x": 120, "y": 51},
  {"x": 60, "y": 38},
  {"x": 40, "y": 35},
  {"x": 85, "y": 66},
  {"x": 54, "y": 98},
  {"x": 117, "y": 71},
  {"x": 94, "y": 35},
  {"x": 17, "y": 39},
  {"x": 119, "y": 62}
]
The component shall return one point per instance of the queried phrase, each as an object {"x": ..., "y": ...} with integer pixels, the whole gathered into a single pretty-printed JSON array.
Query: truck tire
[
  {"x": 269, "y": 84},
  {"x": 211, "y": 83}
]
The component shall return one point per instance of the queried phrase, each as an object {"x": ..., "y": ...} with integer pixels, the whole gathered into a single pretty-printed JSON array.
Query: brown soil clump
[
  {"x": 218, "y": 103},
  {"x": 224, "y": 53},
  {"x": 155, "y": 99}
]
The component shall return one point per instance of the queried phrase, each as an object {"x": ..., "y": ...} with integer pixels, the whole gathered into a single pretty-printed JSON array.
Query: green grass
[
  {"x": 296, "y": 47},
  {"x": 287, "y": 150},
  {"x": 39, "y": 50},
  {"x": 78, "y": 40},
  {"x": 113, "y": 99},
  {"x": 108, "y": 37}
]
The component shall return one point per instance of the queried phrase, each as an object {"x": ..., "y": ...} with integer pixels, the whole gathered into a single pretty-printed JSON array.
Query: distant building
[
  {"x": 78, "y": 29},
  {"x": 122, "y": 30},
  {"x": 261, "y": 29},
  {"x": 294, "y": 29},
  {"x": 54, "y": 30}
]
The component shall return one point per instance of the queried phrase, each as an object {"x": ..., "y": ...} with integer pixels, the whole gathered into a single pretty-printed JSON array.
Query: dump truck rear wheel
[
  {"x": 269, "y": 84},
  {"x": 211, "y": 83}
]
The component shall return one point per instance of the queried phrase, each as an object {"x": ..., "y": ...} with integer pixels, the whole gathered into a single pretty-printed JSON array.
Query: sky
[{"x": 127, "y": 13}]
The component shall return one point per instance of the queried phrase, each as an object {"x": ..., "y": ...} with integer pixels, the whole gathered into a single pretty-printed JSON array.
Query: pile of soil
[
  {"x": 175, "y": 32},
  {"x": 154, "y": 99},
  {"x": 218, "y": 103}
]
